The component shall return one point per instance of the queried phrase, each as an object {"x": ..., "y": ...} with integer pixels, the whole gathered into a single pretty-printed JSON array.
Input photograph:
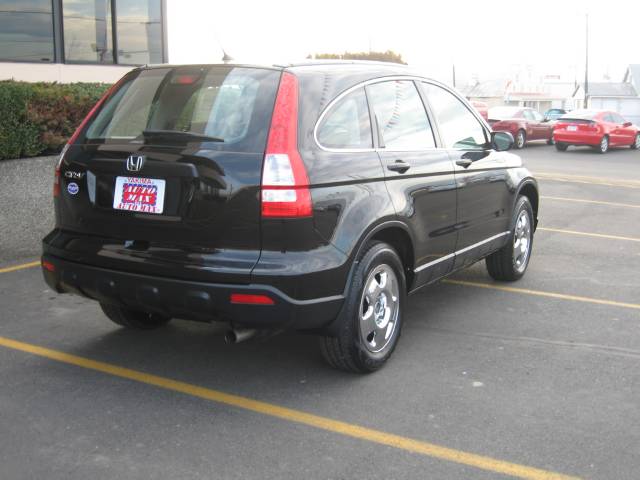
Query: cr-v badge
[{"x": 135, "y": 163}]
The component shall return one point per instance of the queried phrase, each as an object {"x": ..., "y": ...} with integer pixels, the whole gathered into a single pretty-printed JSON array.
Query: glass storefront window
[
  {"x": 139, "y": 27},
  {"x": 26, "y": 30},
  {"x": 87, "y": 31},
  {"x": 127, "y": 32}
]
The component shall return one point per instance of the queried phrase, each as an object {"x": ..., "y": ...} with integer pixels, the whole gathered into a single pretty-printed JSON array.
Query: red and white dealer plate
[{"x": 135, "y": 194}]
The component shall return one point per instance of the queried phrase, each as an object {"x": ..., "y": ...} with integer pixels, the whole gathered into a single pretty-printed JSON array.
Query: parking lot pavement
[{"x": 540, "y": 376}]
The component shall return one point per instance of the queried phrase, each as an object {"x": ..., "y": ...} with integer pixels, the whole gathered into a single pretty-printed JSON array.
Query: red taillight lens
[
  {"x": 247, "y": 299},
  {"x": 48, "y": 266},
  {"x": 285, "y": 184}
]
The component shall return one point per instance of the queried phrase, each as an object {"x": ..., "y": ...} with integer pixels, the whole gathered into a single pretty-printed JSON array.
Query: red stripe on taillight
[
  {"x": 76, "y": 134},
  {"x": 48, "y": 266},
  {"x": 285, "y": 184},
  {"x": 248, "y": 299}
]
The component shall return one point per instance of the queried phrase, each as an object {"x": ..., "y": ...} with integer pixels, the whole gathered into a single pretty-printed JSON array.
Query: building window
[
  {"x": 139, "y": 31},
  {"x": 87, "y": 27},
  {"x": 26, "y": 30},
  {"x": 127, "y": 32}
]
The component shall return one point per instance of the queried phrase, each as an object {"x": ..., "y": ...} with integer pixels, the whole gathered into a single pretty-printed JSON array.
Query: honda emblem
[{"x": 135, "y": 163}]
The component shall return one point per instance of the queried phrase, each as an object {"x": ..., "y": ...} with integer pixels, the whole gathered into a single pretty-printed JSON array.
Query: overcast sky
[{"x": 484, "y": 38}]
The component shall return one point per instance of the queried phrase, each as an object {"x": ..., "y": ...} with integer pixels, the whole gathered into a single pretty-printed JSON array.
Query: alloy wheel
[
  {"x": 522, "y": 241},
  {"x": 604, "y": 144},
  {"x": 379, "y": 308}
]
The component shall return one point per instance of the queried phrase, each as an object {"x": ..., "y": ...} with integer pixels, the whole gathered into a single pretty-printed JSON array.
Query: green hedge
[{"x": 38, "y": 118}]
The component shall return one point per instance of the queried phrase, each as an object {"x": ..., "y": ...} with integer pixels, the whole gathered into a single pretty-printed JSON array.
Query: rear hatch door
[{"x": 166, "y": 176}]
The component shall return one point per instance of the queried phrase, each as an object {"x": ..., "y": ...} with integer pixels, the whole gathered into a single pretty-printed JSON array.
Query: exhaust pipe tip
[{"x": 237, "y": 335}]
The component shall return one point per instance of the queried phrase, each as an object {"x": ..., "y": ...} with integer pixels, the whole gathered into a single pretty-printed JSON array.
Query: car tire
[
  {"x": 636, "y": 145},
  {"x": 134, "y": 319},
  {"x": 551, "y": 141},
  {"x": 371, "y": 320},
  {"x": 521, "y": 139},
  {"x": 562, "y": 147},
  {"x": 511, "y": 261},
  {"x": 604, "y": 145}
]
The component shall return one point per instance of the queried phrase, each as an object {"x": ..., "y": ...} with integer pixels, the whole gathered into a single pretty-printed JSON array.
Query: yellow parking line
[
  {"x": 541, "y": 293},
  {"x": 19, "y": 267},
  {"x": 597, "y": 202},
  {"x": 588, "y": 234},
  {"x": 610, "y": 182},
  {"x": 297, "y": 416}
]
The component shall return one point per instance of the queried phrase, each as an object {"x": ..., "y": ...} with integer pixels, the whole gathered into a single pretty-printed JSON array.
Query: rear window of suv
[{"x": 230, "y": 107}]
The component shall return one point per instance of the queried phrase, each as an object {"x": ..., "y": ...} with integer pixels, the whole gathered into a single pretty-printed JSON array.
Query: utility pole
[{"x": 586, "y": 64}]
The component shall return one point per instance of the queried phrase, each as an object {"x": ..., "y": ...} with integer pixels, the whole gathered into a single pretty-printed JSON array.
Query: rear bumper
[
  {"x": 192, "y": 300},
  {"x": 592, "y": 139}
]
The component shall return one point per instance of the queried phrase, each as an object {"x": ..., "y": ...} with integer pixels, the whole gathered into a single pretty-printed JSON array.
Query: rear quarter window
[{"x": 347, "y": 124}]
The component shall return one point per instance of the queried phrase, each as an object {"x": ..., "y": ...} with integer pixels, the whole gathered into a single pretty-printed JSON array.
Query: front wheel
[
  {"x": 562, "y": 147},
  {"x": 134, "y": 319},
  {"x": 511, "y": 261},
  {"x": 521, "y": 139},
  {"x": 372, "y": 319},
  {"x": 636, "y": 145}
]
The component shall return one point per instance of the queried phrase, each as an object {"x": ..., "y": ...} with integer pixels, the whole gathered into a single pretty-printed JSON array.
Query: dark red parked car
[
  {"x": 595, "y": 128},
  {"x": 523, "y": 123}
]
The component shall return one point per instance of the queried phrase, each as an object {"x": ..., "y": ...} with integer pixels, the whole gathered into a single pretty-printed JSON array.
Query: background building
[{"x": 79, "y": 40}]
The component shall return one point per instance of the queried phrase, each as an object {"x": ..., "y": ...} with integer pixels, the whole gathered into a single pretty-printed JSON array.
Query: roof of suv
[{"x": 373, "y": 67}]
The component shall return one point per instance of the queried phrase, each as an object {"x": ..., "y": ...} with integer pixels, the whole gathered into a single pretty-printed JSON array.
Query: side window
[
  {"x": 528, "y": 114},
  {"x": 537, "y": 116},
  {"x": 347, "y": 124},
  {"x": 459, "y": 128},
  {"x": 617, "y": 118},
  {"x": 607, "y": 117},
  {"x": 402, "y": 119}
]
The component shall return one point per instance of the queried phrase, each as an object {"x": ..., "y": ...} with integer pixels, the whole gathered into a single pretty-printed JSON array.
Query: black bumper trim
[{"x": 190, "y": 299}]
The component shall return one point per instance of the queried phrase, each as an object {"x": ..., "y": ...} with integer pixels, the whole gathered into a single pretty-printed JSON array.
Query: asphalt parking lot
[{"x": 536, "y": 379}]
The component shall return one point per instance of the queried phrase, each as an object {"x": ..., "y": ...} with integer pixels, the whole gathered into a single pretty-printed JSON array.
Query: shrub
[{"x": 38, "y": 118}]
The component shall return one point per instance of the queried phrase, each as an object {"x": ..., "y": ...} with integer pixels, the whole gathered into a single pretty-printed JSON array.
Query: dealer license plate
[{"x": 139, "y": 194}]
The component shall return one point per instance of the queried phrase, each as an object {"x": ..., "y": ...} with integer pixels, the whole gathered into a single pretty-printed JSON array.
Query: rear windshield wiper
[{"x": 178, "y": 135}]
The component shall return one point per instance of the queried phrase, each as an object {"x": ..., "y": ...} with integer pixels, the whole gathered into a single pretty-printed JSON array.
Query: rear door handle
[
  {"x": 399, "y": 166},
  {"x": 463, "y": 162}
]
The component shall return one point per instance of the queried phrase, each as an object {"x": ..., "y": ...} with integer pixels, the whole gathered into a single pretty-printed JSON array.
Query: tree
[{"x": 388, "y": 56}]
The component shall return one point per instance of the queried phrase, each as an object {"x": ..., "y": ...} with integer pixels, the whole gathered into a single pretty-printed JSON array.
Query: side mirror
[
  {"x": 626, "y": 124},
  {"x": 546, "y": 119},
  {"x": 501, "y": 141}
]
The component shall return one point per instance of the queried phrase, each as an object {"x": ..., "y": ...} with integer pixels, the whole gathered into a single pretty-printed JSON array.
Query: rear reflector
[
  {"x": 48, "y": 266},
  {"x": 285, "y": 184},
  {"x": 248, "y": 299}
]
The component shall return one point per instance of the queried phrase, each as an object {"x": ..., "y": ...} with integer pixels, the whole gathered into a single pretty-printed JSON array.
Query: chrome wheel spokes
[
  {"x": 522, "y": 241},
  {"x": 379, "y": 308}
]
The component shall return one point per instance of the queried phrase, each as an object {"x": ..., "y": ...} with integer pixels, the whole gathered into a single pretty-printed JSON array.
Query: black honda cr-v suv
[{"x": 312, "y": 197}]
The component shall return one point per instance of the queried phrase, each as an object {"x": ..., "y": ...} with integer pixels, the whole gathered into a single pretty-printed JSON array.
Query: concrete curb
[{"x": 26, "y": 206}]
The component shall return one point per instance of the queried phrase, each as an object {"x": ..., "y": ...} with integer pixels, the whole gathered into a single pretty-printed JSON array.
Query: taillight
[
  {"x": 76, "y": 134},
  {"x": 285, "y": 184}
]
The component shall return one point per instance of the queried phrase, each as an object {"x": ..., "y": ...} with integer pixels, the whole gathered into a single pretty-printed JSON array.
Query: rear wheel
[
  {"x": 135, "y": 319},
  {"x": 373, "y": 313},
  {"x": 636, "y": 145},
  {"x": 521, "y": 139},
  {"x": 604, "y": 145},
  {"x": 562, "y": 147},
  {"x": 511, "y": 261}
]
